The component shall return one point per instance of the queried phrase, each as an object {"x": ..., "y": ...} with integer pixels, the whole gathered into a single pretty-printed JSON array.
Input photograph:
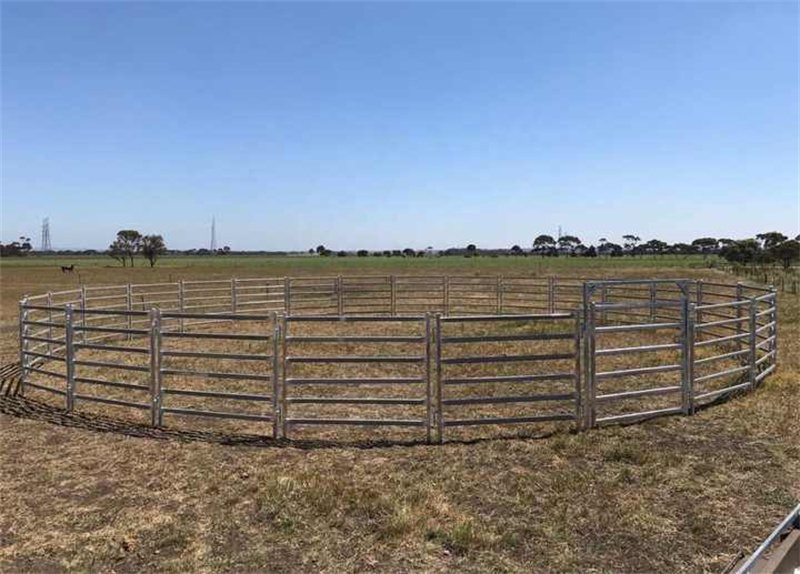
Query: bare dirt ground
[{"x": 90, "y": 491}]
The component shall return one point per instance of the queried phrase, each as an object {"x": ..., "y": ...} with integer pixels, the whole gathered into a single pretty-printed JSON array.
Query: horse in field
[{"x": 69, "y": 269}]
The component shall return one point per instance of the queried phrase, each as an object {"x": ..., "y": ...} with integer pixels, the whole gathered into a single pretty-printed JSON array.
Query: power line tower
[
  {"x": 213, "y": 234},
  {"x": 46, "y": 245}
]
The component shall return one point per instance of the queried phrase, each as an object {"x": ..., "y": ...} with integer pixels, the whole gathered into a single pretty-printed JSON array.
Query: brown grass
[{"x": 84, "y": 492}]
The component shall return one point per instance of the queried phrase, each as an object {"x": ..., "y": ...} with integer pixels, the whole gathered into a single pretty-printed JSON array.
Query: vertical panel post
[
  {"x": 499, "y": 290},
  {"x": 287, "y": 295},
  {"x": 604, "y": 299},
  {"x": 439, "y": 383},
  {"x": 446, "y": 297},
  {"x": 129, "y": 308},
  {"x": 687, "y": 356},
  {"x": 339, "y": 296},
  {"x": 233, "y": 296},
  {"x": 284, "y": 371},
  {"x": 23, "y": 344},
  {"x": 591, "y": 381},
  {"x": 276, "y": 410},
  {"x": 578, "y": 386},
  {"x": 83, "y": 312},
  {"x": 699, "y": 299},
  {"x": 50, "y": 332},
  {"x": 69, "y": 338},
  {"x": 774, "y": 331},
  {"x": 739, "y": 312},
  {"x": 156, "y": 393},
  {"x": 653, "y": 300},
  {"x": 181, "y": 303},
  {"x": 551, "y": 294},
  {"x": 428, "y": 385},
  {"x": 752, "y": 323},
  {"x": 393, "y": 300}
]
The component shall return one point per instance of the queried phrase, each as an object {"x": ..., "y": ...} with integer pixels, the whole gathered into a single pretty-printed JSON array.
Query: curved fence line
[{"x": 435, "y": 353}]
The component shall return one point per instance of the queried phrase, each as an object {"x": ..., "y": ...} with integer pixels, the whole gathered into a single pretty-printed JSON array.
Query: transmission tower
[
  {"x": 213, "y": 235},
  {"x": 46, "y": 245}
]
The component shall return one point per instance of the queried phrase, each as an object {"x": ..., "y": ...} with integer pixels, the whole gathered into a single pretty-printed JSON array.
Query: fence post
[
  {"x": 446, "y": 298},
  {"x": 233, "y": 296},
  {"x": 284, "y": 388},
  {"x": 578, "y": 385},
  {"x": 589, "y": 344},
  {"x": 69, "y": 343},
  {"x": 276, "y": 410},
  {"x": 129, "y": 308},
  {"x": 156, "y": 395},
  {"x": 181, "y": 303},
  {"x": 83, "y": 312},
  {"x": 653, "y": 300},
  {"x": 774, "y": 319},
  {"x": 698, "y": 303},
  {"x": 428, "y": 386},
  {"x": 499, "y": 290},
  {"x": 393, "y": 300},
  {"x": 287, "y": 295},
  {"x": 739, "y": 309},
  {"x": 50, "y": 334},
  {"x": 687, "y": 356},
  {"x": 604, "y": 300},
  {"x": 439, "y": 415},
  {"x": 23, "y": 343},
  {"x": 339, "y": 296},
  {"x": 551, "y": 294},
  {"x": 753, "y": 340}
]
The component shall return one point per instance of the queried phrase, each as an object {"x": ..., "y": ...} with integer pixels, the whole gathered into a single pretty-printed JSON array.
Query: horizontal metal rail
[
  {"x": 216, "y": 414},
  {"x": 640, "y": 415},
  {"x": 356, "y": 422},
  {"x": 637, "y": 371},
  {"x": 508, "y": 338},
  {"x": 509, "y": 420},
  {"x": 508, "y": 378},
  {"x": 506, "y": 358},
  {"x": 355, "y": 339},
  {"x": 354, "y": 381},
  {"x": 115, "y": 384},
  {"x": 641, "y": 349},
  {"x": 112, "y": 401},
  {"x": 490, "y": 318},
  {"x": 354, "y": 401},
  {"x": 105, "y": 365},
  {"x": 217, "y": 395},
  {"x": 216, "y": 375},
  {"x": 637, "y": 327},
  {"x": 719, "y": 392},
  {"x": 638, "y": 394},
  {"x": 213, "y": 355},
  {"x": 356, "y": 359},
  {"x": 115, "y": 348},
  {"x": 724, "y": 373},
  {"x": 510, "y": 399}
]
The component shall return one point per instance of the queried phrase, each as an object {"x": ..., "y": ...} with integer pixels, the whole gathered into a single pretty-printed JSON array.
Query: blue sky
[{"x": 398, "y": 124}]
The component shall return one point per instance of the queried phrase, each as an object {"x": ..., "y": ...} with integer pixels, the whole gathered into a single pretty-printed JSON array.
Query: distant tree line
[
  {"x": 19, "y": 248},
  {"x": 766, "y": 248}
]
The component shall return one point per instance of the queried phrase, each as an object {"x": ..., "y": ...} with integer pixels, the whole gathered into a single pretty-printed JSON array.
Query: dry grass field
[{"x": 100, "y": 491}]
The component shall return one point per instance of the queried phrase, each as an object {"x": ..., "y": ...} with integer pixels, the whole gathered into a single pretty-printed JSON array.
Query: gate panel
[
  {"x": 364, "y": 371},
  {"x": 635, "y": 370},
  {"x": 225, "y": 372},
  {"x": 507, "y": 369}
]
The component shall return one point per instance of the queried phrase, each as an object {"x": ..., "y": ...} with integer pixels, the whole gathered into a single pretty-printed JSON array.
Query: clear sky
[{"x": 398, "y": 124}]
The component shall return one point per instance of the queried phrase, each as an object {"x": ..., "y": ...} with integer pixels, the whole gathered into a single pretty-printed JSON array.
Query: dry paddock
[{"x": 96, "y": 491}]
